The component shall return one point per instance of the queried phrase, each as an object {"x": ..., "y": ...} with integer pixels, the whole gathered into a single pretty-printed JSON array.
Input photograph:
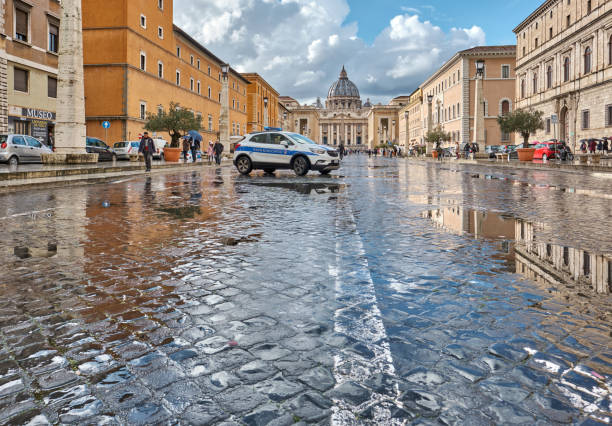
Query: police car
[{"x": 272, "y": 150}]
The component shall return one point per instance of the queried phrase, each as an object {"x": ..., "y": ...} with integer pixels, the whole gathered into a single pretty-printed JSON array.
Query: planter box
[
  {"x": 595, "y": 159},
  {"x": 583, "y": 159},
  {"x": 526, "y": 154},
  {"x": 434, "y": 154},
  {"x": 172, "y": 155}
]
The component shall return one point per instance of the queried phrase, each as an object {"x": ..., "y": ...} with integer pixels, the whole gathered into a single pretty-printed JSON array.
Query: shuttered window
[
  {"x": 53, "y": 38},
  {"x": 608, "y": 115},
  {"x": 585, "y": 119},
  {"x": 21, "y": 80},
  {"x": 52, "y": 87},
  {"x": 21, "y": 25}
]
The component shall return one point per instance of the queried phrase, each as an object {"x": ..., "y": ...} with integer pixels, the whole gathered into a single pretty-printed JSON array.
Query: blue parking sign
[{"x": 106, "y": 124}]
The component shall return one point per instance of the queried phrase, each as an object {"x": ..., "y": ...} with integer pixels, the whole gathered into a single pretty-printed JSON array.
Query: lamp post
[
  {"x": 429, "y": 148},
  {"x": 224, "y": 124},
  {"x": 479, "y": 112},
  {"x": 265, "y": 99},
  {"x": 70, "y": 129}
]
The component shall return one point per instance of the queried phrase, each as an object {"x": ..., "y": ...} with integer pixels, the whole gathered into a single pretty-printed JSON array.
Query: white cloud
[{"x": 299, "y": 46}]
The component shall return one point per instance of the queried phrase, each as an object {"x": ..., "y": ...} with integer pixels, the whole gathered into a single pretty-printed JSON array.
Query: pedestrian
[
  {"x": 600, "y": 146},
  {"x": 209, "y": 152},
  {"x": 466, "y": 150},
  {"x": 146, "y": 148},
  {"x": 457, "y": 150},
  {"x": 186, "y": 147},
  {"x": 195, "y": 147},
  {"x": 218, "y": 150},
  {"x": 592, "y": 146},
  {"x": 606, "y": 147},
  {"x": 583, "y": 146},
  {"x": 341, "y": 150}
]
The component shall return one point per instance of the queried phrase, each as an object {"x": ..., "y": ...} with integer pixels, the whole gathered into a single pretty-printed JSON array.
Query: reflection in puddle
[
  {"x": 539, "y": 261},
  {"x": 305, "y": 188}
]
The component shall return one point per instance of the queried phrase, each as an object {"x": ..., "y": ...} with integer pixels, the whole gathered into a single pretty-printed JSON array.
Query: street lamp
[
  {"x": 224, "y": 118},
  {"x": 480, "y": 66},
  {"x": 429, "y": 99},
  {"x": 265, "y": 99},
  {"x": 225, "y": 69}
]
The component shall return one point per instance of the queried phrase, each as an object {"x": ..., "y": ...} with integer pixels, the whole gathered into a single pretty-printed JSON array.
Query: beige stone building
[
  {"x": 452, "y": 92},
  {"x": 384, "y": 122},
  {"x": 31, "y": 53},
  {"x": 411, "y": 121},
  {"x": 564, "y": 68}
]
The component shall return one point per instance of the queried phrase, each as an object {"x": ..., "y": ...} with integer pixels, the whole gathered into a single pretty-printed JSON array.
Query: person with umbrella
[
  {"x": 196, "y": 140},
  {"x": 218, "y": 149}
]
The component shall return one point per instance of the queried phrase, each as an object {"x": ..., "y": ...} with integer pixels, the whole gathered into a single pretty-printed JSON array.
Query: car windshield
[
  {"x": 120, "y": 145},
  {"x": 302, "y": 138},
  {"x": 135, "y": 144}
]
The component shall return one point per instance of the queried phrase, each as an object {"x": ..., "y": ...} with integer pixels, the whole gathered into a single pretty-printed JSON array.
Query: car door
[
  {"x": 35, "y": 149},
  {"x": 258, "y": 147},
  {"x": 105, "y": 151},
  {"x": 279, "y": 149},
  {"x": 21, "y": 148}
]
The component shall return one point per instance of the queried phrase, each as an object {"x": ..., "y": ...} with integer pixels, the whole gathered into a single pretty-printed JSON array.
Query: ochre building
[
  {"x": 564, "y": 68},
  {"x": 262, "y": 104},
  {"x": 136, "y": 62}
]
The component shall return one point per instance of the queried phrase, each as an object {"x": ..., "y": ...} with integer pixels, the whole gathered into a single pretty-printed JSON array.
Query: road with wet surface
[{"x": 393, "y": 292}]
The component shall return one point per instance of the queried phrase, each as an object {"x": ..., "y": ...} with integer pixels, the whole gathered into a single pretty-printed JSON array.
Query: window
[
  {"x": 589, "y": 6},
  {"x": 210, "y": 122},
  {"x": 549, "y": 77},
  {"x": 21, "y": 82},
  {"x": 234, "y": 103},
  {"x": 524, "y": 51},
  {"x": 209, "y": 92},
  {"x": 209, "y": 70},
  {"x": 178, "y": 78},
  {"x": 535, "y": 82},
  {"x": 191, "y": 84},
  {"x": 199, "y": 87},
  {"x": 51, "y": 87},
  {"x": 566, "y": 69},
  {"x": 587, "y": 60},
  {"x": 568, "y": 21},
  {"x": 198, "y": 64},
  {"x": 143, "y": 61},
  {"x": 191, "y": 59},
  {"x": 550, "y": 33},
  {"x": 22, "y": 21},
  {"x": 585, "y": 119},
  {"x": 143, "y": 110},
  {"x": 143, "y": 21},
  {"x": 160, "y": 4},
  {"x": 505, "y": 71},
  {"x": 522, "y": 88},
  {"x": 160, "y": 32},
  {"x": 219, "y": 97},
  {"x": 178, "y": 51},
  {"x": 536, "y": 42},
  {"x": 608, "y": 115},
  {"x": 548, "y": 126},
  {"x": 505, "y": 107},
  {"x": 610, "y": 51},
  {"x": 53, "y": 38},
  {"x": 160, "y": 69}
]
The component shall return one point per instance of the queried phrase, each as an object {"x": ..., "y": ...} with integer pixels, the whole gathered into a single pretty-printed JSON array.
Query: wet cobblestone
[{"x": 201, "y": 298}]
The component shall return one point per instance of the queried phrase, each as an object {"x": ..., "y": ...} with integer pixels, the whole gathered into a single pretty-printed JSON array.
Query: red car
[{"x": 546, "y": 150}]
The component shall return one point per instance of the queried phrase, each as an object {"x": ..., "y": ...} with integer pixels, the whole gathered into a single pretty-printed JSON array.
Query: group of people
[
  {"x": 595, "y": 145},
  {"x": 190, "y": 144},
  {"x": 393, "y": 152}
]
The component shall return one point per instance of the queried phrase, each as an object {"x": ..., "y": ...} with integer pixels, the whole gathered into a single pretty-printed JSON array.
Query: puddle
[
  {"x": 305, "y": 188},
  {"x": 518, "y": 241}
]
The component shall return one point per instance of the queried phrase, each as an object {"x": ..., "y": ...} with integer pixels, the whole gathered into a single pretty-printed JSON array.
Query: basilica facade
[{"x": 342, "y": 120}]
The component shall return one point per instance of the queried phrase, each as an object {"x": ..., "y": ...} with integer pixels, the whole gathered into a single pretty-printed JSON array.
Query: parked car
[
  {"x": 160, "y": 144},
  {"x": 493, "y": 149},
  {"x": 15, "y": 149},
  {"x": 123, "y": 150},
  {"x": 448, "y": 152},
  {"x": 97, "y": 146},
  {"x": 546, "y": 150}
]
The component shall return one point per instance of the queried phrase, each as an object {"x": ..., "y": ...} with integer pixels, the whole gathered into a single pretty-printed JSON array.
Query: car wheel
[
  {"x": 13, "y": 161},
  {"x": 300, "y": 166},
  {"x": 544, "y": 157},
  {"x": 244, "y": 165},
  {"x": 269, "y": 171},
  {"x": 325, "y": 172}
]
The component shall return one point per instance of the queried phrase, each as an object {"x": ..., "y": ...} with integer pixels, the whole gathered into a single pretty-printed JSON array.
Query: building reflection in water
[{"x": 539, "y": 261}]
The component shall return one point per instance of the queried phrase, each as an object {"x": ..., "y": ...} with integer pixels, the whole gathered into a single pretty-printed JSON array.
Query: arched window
[
  {"x": 549, "y": 78},
  {"x": 566, "y": 69},
  {"x": 522, "y": 88},
  {"x": 505, "y": 107},
  {"x": 535, "y": 82},
  {"x": 587, "y": 60}
]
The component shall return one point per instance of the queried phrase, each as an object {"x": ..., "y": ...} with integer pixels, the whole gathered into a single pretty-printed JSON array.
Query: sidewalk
[
  {"x": 28, "y": 176},
  {"x": 604, "y": 167}
]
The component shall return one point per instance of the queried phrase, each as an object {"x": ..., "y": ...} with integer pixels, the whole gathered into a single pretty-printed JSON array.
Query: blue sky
[{"x": 496, "y": 18}]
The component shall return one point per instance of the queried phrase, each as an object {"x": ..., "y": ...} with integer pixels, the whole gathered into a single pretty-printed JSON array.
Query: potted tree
[
  {"x": 176, "y": 122},
  {"x": 523, "y": 122},
  {"x": 437, "y": 136}
]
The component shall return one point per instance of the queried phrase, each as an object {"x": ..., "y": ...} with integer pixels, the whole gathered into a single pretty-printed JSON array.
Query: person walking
[
  {"x": 186, "y": 147},
  {"x": 146, "y": 148},
  {"x": 592, "y": 146},
  {"x": 600, "y": 146},
  {"x": 195, "y": 147},
  {"x": 209, "y": 152},
  {"x": 457, "y": 150},
  {"x": 218, "y": 150},
  {"x": 341, "y": 150},
  {"x": 605, "y": 145}
]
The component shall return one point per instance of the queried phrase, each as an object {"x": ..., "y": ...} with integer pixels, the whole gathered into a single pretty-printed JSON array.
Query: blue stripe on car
[{"x": 272, "y": 151}]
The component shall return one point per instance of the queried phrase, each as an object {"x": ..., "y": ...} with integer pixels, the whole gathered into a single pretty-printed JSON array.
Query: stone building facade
[
  {"x": 564, "y": 68},
  {"x": 452, "y": 89},
  {"x": 3, "y": 73},
  {"x": 29, "y": 60},
  {"x": 384, "y": 122},
  {"x": 137, "y": 61},
  {"x": 262, "y": 104}
]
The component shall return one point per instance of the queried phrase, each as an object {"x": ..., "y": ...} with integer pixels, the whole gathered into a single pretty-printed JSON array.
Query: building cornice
[
  {"x": 255, "y": 76},
  {"x": 543, "y": 7}
]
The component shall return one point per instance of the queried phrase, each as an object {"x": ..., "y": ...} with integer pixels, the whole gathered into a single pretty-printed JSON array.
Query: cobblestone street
[{"x": 393, "y": 292}]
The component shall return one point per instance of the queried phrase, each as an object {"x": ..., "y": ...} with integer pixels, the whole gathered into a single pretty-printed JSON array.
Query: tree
[
  {"x": 523, "y": 122},
  {"x": 177, "y": 122},
  {"x": 437, "y": 136}
]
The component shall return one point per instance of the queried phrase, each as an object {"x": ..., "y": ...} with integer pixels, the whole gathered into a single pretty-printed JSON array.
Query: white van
[{"x": 159, "y": 148}]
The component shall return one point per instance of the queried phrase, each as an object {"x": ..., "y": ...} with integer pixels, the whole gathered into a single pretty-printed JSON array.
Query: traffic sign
[
  {"x": 554, "y": 119},
  {"x": 106, "y": 124}
]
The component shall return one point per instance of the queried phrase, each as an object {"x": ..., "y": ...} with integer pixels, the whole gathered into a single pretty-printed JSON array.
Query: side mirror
[{"x": 285, "y": 144}]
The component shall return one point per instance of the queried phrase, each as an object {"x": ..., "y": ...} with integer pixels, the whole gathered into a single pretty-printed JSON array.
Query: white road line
[{"x": 359, "y": 318}]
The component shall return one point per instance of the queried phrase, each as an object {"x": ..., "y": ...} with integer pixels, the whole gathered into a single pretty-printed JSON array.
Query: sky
[{"x": 388, "y": 47}]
